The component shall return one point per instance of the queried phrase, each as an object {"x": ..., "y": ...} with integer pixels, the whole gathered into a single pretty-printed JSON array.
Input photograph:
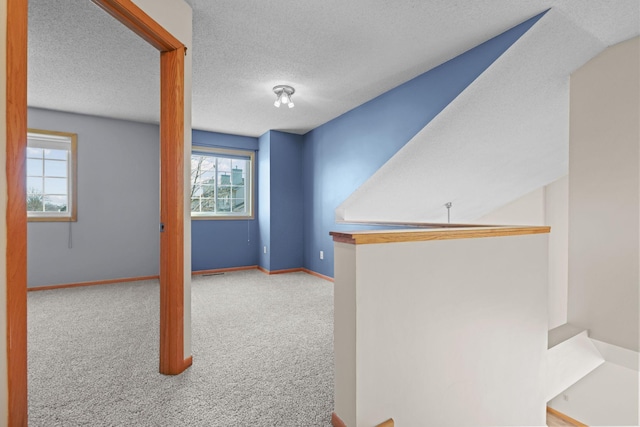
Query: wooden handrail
[
  {"x": 388, "y": 423},
  {"x": 424, "y": 234}
]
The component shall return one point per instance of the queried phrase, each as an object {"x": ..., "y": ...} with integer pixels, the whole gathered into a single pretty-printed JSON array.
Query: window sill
[{"x": 51, "y": 219}]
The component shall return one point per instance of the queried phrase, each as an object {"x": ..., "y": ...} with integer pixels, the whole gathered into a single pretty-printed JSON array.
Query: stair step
[{"x": 569, "y": 360}]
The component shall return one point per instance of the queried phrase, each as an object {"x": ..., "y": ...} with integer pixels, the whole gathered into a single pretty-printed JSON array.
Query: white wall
[
  {"x": 345, "y": 333},
  {"x": 176, "y": 17},
  {"x": 604, "y": 196},
  {"x": 3, "y": 218},
  {"x": 607, "y": 396},
  {"x": 604, "y": 233},
  {"x": 527, "y": 210},
  {"x": 548, "y": 205},
  {"x": 440, "y": 344}
]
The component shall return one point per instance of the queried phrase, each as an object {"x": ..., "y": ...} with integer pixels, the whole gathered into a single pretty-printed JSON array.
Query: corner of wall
[
  {"x": 264, "y": 200},
  {"x": 287, "y": 205},
  {"x": 556, "y": 205}
]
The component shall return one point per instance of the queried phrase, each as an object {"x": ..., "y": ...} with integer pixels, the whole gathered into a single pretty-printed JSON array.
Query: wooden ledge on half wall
[
  {"x": 336, "y": 421},
  {"x": 435, "y": 232}
]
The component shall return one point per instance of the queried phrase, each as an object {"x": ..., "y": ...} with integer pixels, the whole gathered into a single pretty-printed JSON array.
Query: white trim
[
  {"x": 63, "y": 141},
  {"x": 250, "y": 183}
]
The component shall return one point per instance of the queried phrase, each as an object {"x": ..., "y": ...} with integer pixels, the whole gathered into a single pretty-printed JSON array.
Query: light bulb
[{"x": 283, "y": 95}]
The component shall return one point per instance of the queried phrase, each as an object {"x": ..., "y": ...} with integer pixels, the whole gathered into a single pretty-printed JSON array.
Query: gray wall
[{"x": 116, "y": 235}]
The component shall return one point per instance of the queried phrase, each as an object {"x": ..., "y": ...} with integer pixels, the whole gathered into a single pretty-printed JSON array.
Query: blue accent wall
[
  {"x": 342, "y": 154},
  {"x": 301, "y": 180},
  {"x": 224, "y": 243}
]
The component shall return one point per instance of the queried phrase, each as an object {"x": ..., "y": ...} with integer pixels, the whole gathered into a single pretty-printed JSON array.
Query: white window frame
[
  {"x": 59, "y": 141},
  {"x": 249, "y": 183}
]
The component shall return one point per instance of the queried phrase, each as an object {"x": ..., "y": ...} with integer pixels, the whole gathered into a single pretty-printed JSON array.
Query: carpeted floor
[{"x": 262, "y": 349}]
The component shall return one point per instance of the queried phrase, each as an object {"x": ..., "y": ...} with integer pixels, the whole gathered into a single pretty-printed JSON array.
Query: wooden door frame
[{"x": 172, "y": 52}]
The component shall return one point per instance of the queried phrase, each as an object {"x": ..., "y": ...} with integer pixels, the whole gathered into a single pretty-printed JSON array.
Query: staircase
[{"x": 571, "y": 356}]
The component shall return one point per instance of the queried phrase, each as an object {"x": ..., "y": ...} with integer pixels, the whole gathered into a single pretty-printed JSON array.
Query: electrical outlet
[
  {"x": 265, "y": 249},
  {"x": 321, "y": 254}
]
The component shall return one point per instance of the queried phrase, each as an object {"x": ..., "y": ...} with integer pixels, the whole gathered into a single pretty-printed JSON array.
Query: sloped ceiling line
[{"x": 502, "y": 137}]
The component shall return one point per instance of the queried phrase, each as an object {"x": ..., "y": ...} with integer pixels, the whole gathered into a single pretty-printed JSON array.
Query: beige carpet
[{"x": 262, "y": 349}]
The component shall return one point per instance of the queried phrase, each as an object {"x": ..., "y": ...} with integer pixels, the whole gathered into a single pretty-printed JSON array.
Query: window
[
  {"x": 51, "y": 176},
  {"x": 221, "y": 183}
]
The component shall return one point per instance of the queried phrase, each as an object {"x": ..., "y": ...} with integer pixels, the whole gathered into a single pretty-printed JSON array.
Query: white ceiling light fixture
[{"x": 283, "y": 95}]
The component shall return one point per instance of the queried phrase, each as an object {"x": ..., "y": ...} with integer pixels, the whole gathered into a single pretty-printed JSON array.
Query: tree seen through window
[{"x": 220, "y": 185}]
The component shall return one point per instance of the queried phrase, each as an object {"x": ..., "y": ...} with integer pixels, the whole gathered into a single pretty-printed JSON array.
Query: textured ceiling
[
  {"x": 337, "y": 54},
  {"x": 82, "y": 60}
]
